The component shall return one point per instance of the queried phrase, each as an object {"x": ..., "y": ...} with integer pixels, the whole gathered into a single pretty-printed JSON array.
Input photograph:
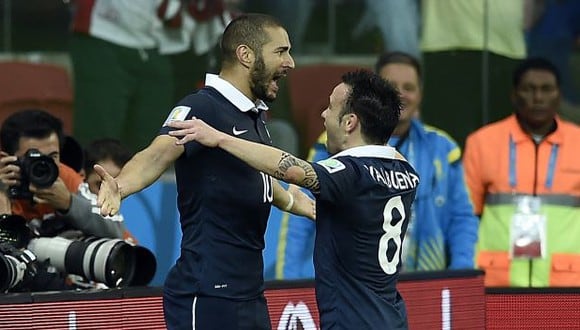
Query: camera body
[
  {"x": 35, "y": 168},
  {"x": 18, "y": 266}
]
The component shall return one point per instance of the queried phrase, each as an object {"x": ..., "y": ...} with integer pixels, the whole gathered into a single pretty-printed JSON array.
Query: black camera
[
  {"x": 35, "y": 168},
  {"x": 17, "y": 265}
]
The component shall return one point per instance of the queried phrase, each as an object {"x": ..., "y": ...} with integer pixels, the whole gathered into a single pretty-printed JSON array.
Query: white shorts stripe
[{"x": 193, "y": 313}]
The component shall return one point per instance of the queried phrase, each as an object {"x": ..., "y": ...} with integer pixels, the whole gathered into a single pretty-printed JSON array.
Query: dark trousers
[
  {"x": 120, "y": 92},
  {"x": 208, "y": 313}
]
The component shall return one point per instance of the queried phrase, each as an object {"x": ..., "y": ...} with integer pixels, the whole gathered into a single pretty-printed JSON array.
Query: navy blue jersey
[
  {"x": 223, "y": 204},
  {"x": 362, "y": 215}
]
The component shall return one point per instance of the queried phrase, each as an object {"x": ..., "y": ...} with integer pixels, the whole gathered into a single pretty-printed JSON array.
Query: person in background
[
  {"x": 398, "y": 22},
  {"x": 523, "y": 175},
  {"x": 112, "y": 156},
  {"x": 108, "y": 153},
  {"x": 295, "y": 15},
  {"x": 223, "y": 203},
  {"x": 122, "y": 74},
  {"x": 467, "y": 47},
  {"x": 364, "y": 194},
  {"x": 443, "y": 227},
  {"x": 554, "y": 34},
  {"x": 61, "y": 207}
]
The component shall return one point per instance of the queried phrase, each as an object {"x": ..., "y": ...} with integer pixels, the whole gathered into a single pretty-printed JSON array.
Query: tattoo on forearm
[
  {"x": 286, "y": 161},
  {"x": 310, "y": 180}
]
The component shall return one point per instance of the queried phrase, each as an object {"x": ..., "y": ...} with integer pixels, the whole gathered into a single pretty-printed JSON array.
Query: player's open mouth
[{"x": 274, "y": 83}]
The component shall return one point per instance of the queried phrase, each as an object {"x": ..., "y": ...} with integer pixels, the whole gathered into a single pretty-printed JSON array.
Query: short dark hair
[
  {"x": 29, "y": 123},
  {"x": 376, "y": 103},
  {"x": 534, "y": 63},
  {"x": 398, "y": 58},
  {"x": 246, "y": 29},
  {"x": 106, "y": 149}
]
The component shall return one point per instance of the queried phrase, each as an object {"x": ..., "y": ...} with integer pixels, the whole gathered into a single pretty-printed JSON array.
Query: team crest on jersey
[
  {"x": 332, "y": 165},
  {"x": 178, "y": 113}
]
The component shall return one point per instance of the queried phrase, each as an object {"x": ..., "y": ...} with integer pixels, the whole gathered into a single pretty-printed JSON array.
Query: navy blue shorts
[{"x": 208, "y": 313}]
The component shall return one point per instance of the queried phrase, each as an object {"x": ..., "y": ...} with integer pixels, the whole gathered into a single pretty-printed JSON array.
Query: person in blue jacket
[{"x": 443, "y": 228}]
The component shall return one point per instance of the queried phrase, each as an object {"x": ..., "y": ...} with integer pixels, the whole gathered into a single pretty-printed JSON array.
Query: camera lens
[
  {"x": 109, "y": 261},
  {"x": 15, "y": 266},
  {"x": 35, "y": 168},
  {"x": 8, "y": 272},
  {"x": 43, "y": 172}
]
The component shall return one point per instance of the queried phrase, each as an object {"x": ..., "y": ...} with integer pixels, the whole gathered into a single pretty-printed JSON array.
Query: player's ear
[
  {"x": 245, "y": 55},
  {"x": 350, "y": 122}
]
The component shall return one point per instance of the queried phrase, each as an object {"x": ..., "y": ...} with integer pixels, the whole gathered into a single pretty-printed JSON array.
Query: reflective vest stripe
[{"x": 547, "y": 199}]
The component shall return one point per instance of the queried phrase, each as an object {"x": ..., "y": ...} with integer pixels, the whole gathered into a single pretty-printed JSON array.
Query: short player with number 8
[{"x": 363, "y": 196}]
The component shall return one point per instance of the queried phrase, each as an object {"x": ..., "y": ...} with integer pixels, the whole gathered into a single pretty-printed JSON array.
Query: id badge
[{"x": 528, "y": 229}]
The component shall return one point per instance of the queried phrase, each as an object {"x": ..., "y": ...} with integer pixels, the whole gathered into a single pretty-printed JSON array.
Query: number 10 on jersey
[{"x": 268, "y": 195}]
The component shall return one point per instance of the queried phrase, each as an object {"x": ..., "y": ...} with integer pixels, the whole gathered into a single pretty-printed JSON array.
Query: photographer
[
  {"x": 35, "y": 185},
  {"x": 111, "y": 155}
]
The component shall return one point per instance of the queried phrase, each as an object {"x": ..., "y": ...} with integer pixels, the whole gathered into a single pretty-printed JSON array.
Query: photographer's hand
[
  {"x": 9, "y": 172},
  {"x": 109, "y": 198},
  {"x": 5, "y": 204},
  {"x": 57, "y": 195}
]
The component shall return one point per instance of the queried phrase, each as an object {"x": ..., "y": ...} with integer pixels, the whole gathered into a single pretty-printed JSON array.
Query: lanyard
[{"x": 551, "y": 165}]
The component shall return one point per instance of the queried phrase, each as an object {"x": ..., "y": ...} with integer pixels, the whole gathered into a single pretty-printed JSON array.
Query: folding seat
[{"x": 31, "y": 85}]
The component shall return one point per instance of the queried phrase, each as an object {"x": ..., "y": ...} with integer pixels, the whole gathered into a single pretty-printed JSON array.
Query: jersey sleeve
[
  {"x": 193, "y": 106},
  {"x": 337, "y": 179}
]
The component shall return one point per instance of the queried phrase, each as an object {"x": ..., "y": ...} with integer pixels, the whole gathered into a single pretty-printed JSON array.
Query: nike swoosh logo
[{"x": 236, "y": 132}]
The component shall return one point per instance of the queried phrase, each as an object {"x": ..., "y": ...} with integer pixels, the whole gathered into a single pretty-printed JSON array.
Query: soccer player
[
  {"x": 217, "y": 282},
  {"x": 363, "y": 198}
]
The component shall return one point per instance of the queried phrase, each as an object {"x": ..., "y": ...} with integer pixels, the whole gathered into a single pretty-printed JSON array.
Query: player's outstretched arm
[
  {"x": 270, "y": 160},
  {"x": 294, "y": 201},
  {"x": 141, "y": 171}
]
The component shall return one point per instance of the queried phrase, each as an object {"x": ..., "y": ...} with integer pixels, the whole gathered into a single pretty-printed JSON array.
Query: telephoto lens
[
  {"x": 16, "y": 266},
  {"x": 108, "y": 261}
]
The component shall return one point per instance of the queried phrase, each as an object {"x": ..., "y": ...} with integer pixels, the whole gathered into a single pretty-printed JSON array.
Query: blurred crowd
[{"x": 491, "y": 107}]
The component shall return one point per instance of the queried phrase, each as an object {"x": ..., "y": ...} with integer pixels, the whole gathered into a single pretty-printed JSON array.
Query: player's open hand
[
  {"x": 109, "y": 198},
  {"x": 195, "y": 130},
  {"x": 303, "y": 204}
]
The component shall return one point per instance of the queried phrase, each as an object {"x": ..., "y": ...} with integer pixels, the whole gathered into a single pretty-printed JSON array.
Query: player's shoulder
[
  {"x": 333, "y": 165},
  {"x": 200, "y": 104},
  {"x": 203, "y": 95}
]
